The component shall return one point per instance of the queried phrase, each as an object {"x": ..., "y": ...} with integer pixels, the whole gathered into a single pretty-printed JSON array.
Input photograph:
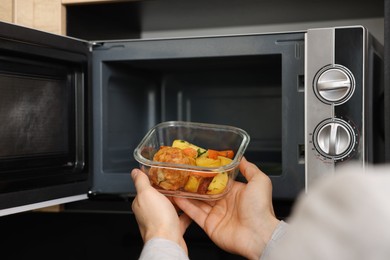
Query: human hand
[
  {"x": 243, "y": 221},
  {"x": 155, "y": 213}
]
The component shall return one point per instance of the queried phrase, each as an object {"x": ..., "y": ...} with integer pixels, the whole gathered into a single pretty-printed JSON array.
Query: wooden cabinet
[
  {"x": 6, "y": 10},
  {"x": 45, "y": 15}
]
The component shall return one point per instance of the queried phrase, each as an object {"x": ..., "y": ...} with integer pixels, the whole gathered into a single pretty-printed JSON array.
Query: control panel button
[
  {"x": 334, "y": 84},
  {"x": 334, "y": 139}
]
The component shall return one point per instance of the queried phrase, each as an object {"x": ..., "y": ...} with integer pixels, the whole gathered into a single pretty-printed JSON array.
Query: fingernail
[{"x": 134, "y": 173}]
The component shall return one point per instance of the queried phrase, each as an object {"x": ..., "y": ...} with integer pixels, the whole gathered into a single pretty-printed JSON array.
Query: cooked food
[
  {"x": 193, "y": 183},
  {"x": 205, "y": 161},
  {"x": 183, "y": 152},
  {"x": 214, "y": 154},
  {"x": 184, "y": 145},
  {"x": 169, "y": 179},
  {"x": 218, "y": 183}
]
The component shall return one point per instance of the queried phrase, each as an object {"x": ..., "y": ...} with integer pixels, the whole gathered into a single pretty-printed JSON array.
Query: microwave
[{"x": 73, "y": 111}]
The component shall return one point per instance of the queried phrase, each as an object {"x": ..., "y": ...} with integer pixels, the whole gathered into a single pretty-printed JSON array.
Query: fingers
[
  {"x": 185, "y": 222},
  {"x": 141, "y": 181},
  {"x": 255, "y": 176},
  {"x": 249, "y": 170}
]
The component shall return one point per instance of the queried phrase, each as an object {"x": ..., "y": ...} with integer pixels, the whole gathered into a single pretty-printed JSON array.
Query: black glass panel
[{"x": 34, "y": 115}]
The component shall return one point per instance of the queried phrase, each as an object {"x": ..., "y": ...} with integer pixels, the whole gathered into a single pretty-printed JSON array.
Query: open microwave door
[{"x": 43, "y": 114}]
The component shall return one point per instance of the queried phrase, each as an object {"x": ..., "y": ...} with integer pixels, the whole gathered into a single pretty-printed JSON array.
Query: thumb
[
  {"x": 249, "y": 170},
  {"x": 141, "y": 181}
]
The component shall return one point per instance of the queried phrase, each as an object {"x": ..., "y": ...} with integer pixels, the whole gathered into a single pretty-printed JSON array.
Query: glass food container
[{"x": 209, "y": 181}]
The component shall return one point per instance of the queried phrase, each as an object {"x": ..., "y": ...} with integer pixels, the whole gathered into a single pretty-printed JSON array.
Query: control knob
[
  {"x": 334, "y": 138},
  {"x": 334, "y": 84}
]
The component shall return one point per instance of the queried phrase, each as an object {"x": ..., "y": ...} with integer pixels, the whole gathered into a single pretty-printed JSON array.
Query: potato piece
[
  {"x": 224, "y": 160},
  {"x": 184, "y": 144},
  {"x": 218, "y": 184},
  {"x": 180, "y": 144},
  {"x": 204, "y": 161},
  {"x": 192, "y": 184}
]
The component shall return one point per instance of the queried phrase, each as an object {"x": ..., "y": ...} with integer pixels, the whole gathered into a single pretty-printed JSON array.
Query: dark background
[{"x": 93, "y": 230}]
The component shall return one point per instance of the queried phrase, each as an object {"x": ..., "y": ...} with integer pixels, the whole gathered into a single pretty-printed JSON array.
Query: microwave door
[{"x": 43, "y": 113}]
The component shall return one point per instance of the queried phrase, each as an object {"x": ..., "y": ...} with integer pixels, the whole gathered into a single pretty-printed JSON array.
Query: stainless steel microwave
[{"x": 73, "y": 111}]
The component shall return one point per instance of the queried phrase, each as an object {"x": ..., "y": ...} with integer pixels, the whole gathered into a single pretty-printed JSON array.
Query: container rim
[{"x": 237, "y": 158}]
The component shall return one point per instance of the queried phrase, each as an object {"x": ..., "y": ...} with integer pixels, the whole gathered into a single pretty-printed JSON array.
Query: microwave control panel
[{"x": 334, "y": 103}]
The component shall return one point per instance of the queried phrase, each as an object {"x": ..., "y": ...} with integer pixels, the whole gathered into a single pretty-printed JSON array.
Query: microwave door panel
[{"x": 43, "y": 97}]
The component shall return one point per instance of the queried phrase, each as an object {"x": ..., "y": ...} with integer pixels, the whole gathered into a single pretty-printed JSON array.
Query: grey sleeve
[
  {"x": 342, "y": 217},
  {"x": 162, "y": 249},
  {"x": 277, "y": 235}
]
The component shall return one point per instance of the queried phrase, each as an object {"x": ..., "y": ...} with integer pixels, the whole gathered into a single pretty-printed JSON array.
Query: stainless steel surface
[
  {"x": 334, "y": 84},
  {"x": 319, "y": 53},
  {"x": 334, "y": 127},
  {"x": 334, "y": 139}
]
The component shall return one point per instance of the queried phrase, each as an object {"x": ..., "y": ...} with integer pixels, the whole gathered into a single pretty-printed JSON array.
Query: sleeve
[
  {"x": 162, "y": 249},
  {"x": 277, "y": 235},
  {"x": 341, "y": 217}
]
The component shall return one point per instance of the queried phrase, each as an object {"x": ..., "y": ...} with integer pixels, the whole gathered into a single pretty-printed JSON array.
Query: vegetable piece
[
  {"x": 214, "y": 153},
  {"x": 218, "y": 184},
  {"x": 192, "y": 184},
  {"x": 207, "y": 162},
  {"x": 224, "y": 160},
  {"x": 190, "y": 152},
  {"x": 184, "y": 144},
  {"x": 203, "y": 155},
  {"x": 204, "y": 174}
]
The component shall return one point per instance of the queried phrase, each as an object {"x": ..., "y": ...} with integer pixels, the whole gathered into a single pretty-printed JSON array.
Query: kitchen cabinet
[
  {"x": 45, "y": 15},
  {"x": 6, "y": 10}
]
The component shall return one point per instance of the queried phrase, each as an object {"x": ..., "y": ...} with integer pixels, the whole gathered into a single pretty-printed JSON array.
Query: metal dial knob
[
  {"x": 334, "y": 84},
  {"x": 334, "y": 139}
]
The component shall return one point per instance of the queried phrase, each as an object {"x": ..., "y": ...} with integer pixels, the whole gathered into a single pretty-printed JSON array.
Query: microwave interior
[{"x": 252, "y": 82}]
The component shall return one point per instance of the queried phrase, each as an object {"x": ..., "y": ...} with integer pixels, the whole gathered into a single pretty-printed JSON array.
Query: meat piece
[
  {"x": 202, "y": 189},
  {"x": 169, "y": 179}
]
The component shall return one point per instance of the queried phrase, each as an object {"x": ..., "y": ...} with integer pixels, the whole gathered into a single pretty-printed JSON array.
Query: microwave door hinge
[{"x": 93, "y": 45}]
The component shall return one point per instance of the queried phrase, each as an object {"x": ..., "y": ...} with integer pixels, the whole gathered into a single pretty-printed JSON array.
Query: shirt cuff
[
  {"x": 278, "y": 233},
  {"x": 160, "y": 249}
]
